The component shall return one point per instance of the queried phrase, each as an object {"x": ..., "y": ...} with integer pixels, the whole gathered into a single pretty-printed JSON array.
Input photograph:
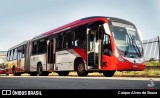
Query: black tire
[
  {"x": 14, "y": 72},
  {"x": 45, "y": 73},
  {"x": 33, "y": 74},
  {"x": 81, "y": 69},
  {"x": 39, "y": 69},
  {"x": 63, "y": 73},
  {"x": 108, "y": 73}
]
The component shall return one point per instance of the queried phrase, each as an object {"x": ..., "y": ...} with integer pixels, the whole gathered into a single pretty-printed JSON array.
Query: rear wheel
[
  {"x": 108, "y": 73},
  {"x": 40, "y": 71},
  {"x": 14, "y": 72},
  {"x": 81, "y": 69}
]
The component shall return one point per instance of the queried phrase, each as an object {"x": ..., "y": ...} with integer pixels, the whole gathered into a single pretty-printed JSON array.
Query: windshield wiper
[{"x": 135, "y": 47}]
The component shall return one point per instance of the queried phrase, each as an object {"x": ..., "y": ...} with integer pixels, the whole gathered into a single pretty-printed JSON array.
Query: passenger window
[
  {"x": 23, "y": 51},
  {"x": 15, "y": 54},
  {"x": 34, "y": 47},
  {"x": 42, "y": 46},
  {"x": 8, "y": 55},
  {"x": 11, "y": 55}
]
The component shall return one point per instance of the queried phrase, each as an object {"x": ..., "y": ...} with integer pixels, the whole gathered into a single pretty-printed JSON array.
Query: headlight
[{"x": 120, "y": 59}]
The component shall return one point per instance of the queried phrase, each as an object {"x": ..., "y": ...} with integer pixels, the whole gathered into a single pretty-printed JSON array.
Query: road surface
[{"x": 68, "y": 82}]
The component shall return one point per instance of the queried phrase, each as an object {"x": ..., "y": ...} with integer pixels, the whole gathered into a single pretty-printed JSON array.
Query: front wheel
[
  {"x": 108, "y": 73},
  {"x": 81, "y": 69}
]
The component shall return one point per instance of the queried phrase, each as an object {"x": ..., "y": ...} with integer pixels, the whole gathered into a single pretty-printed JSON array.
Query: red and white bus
[{"x": 92, "y": 44}]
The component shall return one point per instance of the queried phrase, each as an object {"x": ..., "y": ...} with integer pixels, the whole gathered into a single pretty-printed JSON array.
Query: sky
[{"x": 21, "y": 20}]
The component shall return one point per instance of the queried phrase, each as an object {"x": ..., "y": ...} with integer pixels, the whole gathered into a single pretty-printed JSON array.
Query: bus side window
[
  {"x": 65, "y": 40},
  {"x": 68, "y": 39},
  {"x": 34, "y": 47},
  {"x": 11, "y": 55},
  {"x": 107, "y": 45},
  {"x": 80, "y": 36},
  {"x": 15, "y": 54},
  {"x": 8, "y": 55},
  {"x": 59, "y": 43},
  {"x": 23, "y": 51},
  {"x": 75, "y": 43},
  {"x": 42, "y": 46},
  {"x": 71, "y": 37},
  {"x": 19, "y": 52}
]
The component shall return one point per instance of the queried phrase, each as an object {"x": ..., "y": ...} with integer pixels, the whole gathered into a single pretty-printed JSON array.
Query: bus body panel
[
  {"x": 81, "y": 53},
  {"x": 21, "y": 65},
  {"x": 65, "y": 60},
  {"x": 35, "y": 59},
  {"x": 112, "y": 63},
  {"x": 125, "y": 66},
  {"x": 10, "y": 65},
  {"x": 50, "y": 67}
]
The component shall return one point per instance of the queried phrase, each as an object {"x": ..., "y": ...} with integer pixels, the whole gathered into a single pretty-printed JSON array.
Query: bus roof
[
  {"x": 77, "y": 23},
  {"x": 24, "y": 42}
]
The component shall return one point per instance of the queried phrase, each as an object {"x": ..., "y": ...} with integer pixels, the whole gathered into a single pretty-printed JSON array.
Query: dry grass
[
  {"x": 146, "y": 72},
  {"x": 152, "y": 63}
]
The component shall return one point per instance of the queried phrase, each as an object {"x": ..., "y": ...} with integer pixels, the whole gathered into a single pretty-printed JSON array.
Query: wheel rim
[
  {"x": 80, "y": 68},
  {"x": 39, "y": 70}
]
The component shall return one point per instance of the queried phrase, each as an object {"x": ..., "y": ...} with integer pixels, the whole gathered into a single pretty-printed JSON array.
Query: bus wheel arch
[{"x": 79, "y": 66}]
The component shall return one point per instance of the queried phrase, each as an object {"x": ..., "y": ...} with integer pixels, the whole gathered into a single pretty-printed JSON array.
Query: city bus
[{"x": 91, "y": 44}]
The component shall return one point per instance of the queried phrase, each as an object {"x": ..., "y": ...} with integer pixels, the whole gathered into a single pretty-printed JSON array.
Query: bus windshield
[{"x": 126, "y": 39}]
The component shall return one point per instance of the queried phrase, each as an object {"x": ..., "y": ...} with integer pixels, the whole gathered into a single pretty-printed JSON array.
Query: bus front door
[{"x": 93, "y": 48}]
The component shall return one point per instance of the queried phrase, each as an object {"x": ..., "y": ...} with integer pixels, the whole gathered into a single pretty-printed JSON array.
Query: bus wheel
[
  {"x": 39, "y": 69},
  {"x": 63, "y": 73},
  {"x": 33, "y": 74},
  {"x": 108, "y": 73},
  {"x": 45, "y": 73},
  {"x": 81, "y": 69},
  {"x": 14, "y": 72}
]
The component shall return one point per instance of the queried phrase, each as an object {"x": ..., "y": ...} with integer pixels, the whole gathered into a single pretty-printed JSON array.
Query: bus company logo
[
  {"x": 6, "y": 92},
  {"x": 134, "y": 61}
]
